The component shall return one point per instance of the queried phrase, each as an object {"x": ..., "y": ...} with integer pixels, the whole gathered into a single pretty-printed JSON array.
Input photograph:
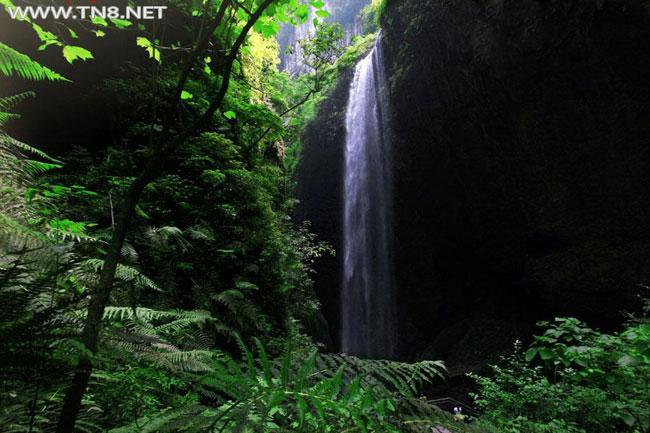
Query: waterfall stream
[
  {"x": 345, "y": 12},
  {"x": 368, "y": 298},
  {"x": 292, "y": 62}
]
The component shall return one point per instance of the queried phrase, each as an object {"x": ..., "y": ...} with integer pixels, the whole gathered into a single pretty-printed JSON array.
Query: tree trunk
[{"x": 98, "y": 301}]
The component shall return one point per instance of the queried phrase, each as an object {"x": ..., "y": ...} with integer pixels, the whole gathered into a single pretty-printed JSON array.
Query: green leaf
[
  {"x": 322, "y": 13},
  {"x": 530, "y": 354},
  {"x": 302, "y": 12},
  {"x": 627, "y": 418},
  {"x": 206, "y": 67},
  {"x": 120, "y": 24},
  {"x": 99, "y": 21},
  {"x": 267, "y": 27},
  {"x": 546, "y": 354},
  {"x": 302, "y": 410},
  {"x": 46, "y": 44},
  {"x": 229, "y": 115},
  {"x": 44, "y": 35},
  {"x": 149, "y": 47},
  {"x": 72, "y": 53},
  {"x": 140, "y": 212},
  {"x": 185, "y": 95},
  {"x": 99, "y": 33}
]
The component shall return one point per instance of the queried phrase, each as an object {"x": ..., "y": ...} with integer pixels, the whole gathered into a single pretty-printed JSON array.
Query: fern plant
[
  {"x": 35, "y": 256},
  {"x": 14, "y": 62},
  {"x": 313, "y": 393},
  {"x": 15, "y": 169},
  {"x": 32, "y": 410},
  {"x": 170, "y": 339}
]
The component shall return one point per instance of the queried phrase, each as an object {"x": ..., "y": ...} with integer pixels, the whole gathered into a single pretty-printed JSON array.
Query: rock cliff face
[
  {"x": 320, "y": 189},
  {"x": 522, "y": 162},
  {"x": 522, "y": 168}
]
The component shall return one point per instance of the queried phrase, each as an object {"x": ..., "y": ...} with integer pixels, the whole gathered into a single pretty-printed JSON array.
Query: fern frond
[
  {"x": 129, "y": 253},
  {"x": 188, "y": 319},
  {"x": 244, "y": 311},
  {"x": 185, "y": 360},
  {"x": 19, "y": 235},
  {"x": 161, "y": 236},
  {"x": 140, "y": 313},
  {"x": 15, "y": 146},
  {"x": 35, "y": 168},
  {"x": 231, "y": 299},
  {"x": 12, "y": 61},
  {"x": 293, "y": 393},
  {"x": 191, "y": 418},
  {"x": 8, "y": 102},
  {"x": 5, "y": 117},
  {"x": 401, "y": 377},
  {"x": 123, "y": 272},
  {"x": 150, "y": 334}
]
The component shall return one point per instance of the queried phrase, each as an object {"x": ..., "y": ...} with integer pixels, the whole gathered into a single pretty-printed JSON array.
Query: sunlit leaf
[
  {"x": 72, "y": 53},
  {"x": 99, "y": 21},
  {"x": 149, "y": 47},
  {"x": 120, "y": 24}
]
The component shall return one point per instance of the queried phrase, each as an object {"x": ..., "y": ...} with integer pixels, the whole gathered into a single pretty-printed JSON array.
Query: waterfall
[
  {"x": 292, "y": 62},
  {"x": 345, "y": 12},
  {"x": 368, "y": 298}
]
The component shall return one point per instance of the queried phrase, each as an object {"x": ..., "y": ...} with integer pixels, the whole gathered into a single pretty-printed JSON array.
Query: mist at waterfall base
[{"x": 368, "y": 287}]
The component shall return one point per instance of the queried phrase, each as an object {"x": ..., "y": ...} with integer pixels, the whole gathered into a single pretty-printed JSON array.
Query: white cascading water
[
  {"x": 292, "y": 62},
  {"x": 368, "y": 288},
  {"x": 340, "y": 11}
]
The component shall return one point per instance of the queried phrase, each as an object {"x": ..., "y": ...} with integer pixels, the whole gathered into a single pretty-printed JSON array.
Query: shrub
[{"x": 572, "y": 379}]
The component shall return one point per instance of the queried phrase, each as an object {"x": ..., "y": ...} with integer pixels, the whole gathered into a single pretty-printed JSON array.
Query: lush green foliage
[
  {"x": 372, "y": 15},
  {"x": 212, "y": 263},
  {"x": 322, "y": 49},
  {"x": 300, "y": 390},
  {"x": 584, "y": 381}
]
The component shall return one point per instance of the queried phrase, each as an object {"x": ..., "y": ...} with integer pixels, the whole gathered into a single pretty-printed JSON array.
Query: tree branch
[
  {"x": 200, "y": 47},
  {"x": 284, "y": 113}
]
